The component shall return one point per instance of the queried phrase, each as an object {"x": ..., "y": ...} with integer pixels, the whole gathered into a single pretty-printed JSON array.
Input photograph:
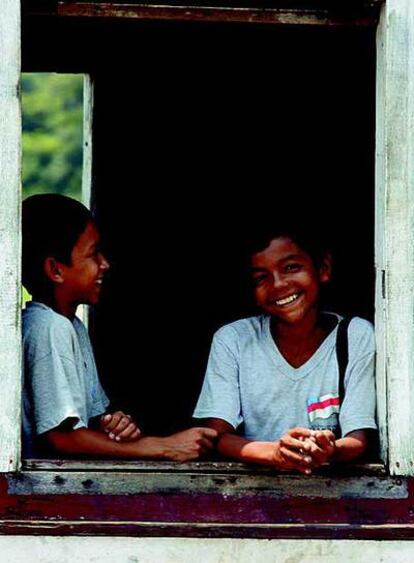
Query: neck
[
  {"x": 58, "y": 304},
  {"x": 298, "y": 342},
  {"x": 308, "y": 327}
]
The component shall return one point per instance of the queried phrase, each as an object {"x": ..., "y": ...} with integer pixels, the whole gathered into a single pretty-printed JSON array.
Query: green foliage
[{"x": 52, "y": 133}]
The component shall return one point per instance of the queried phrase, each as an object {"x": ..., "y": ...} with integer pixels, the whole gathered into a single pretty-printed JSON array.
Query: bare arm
[
  {"x": 352, "y": 446},
  {"x": 288, "y": 453},
  {"x": 183, "y": 446}
]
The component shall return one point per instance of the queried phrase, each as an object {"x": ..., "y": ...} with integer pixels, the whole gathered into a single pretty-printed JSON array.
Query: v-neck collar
[{"x": 285, "y": 367}]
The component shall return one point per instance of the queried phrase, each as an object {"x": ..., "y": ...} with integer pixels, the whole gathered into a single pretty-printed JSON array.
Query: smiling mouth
[{"x": 287, "y": 300}]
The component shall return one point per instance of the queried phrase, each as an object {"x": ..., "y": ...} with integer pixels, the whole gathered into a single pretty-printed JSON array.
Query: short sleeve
[
  {"x": 358, "y": 408},
  {"x": 56, "y": 394},
  {"x": 220, "y": 394},
  {"x": 53, "y": 385}
]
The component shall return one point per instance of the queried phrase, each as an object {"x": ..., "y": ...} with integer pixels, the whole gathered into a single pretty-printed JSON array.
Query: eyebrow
[{"x": 285, "y": 259}]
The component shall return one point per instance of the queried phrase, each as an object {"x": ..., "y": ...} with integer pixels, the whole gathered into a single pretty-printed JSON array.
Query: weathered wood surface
[
  {"x": 380, "y": 258},
  {"x": 395, "y": 184},
  {"x": 230, "y": 506},
  {"x": 121, "y": 483},
  {"x": 10, "y": 134},
  {"x": 325, "y": 14},
  {"x": 88, "y": 90},
  {"x": 353, "y": 470},
  {"x": 210, "y": 530}
]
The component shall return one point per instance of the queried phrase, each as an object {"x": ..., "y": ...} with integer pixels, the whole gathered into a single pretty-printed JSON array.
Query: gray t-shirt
[
  {"x": 249, "y": 381},
  {"x": 60, "y": 377}
]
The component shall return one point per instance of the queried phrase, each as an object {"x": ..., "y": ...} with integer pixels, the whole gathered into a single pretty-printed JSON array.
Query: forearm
[
  {"x": 350, "y": 447},
  {"x": 85, "y": 441},
  {"x": 248, "y": 451}
]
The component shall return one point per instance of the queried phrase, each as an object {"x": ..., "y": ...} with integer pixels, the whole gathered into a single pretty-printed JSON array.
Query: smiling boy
[
  {"x": 277, "y": 373},
  {"x": 64, "y": 404}
]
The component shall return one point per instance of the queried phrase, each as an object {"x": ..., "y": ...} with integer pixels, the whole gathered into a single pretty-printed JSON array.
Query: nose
[
  {"x": 279, "y": 280},
  {"x": 104, "y": 264}
]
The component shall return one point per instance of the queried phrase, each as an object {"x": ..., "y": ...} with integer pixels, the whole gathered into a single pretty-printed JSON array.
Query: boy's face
[
  {"x": 82, "y": 279},
  {"x": 286, "y": 280}
]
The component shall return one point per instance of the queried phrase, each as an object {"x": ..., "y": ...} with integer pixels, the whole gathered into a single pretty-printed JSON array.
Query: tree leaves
[{"x": 52, "y": 133}]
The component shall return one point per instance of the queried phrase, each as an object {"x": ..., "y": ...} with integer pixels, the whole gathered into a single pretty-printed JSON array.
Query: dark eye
[
  {"x": 293, "y": 267},
  {"x": 257, "y": 280}
]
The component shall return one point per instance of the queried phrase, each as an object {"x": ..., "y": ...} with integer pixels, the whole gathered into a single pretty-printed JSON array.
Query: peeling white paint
[
  {"x": 395, "y": 231},
  {"x": 10, "y": 164}
]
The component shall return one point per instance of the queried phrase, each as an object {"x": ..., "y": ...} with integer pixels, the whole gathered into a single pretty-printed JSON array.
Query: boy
[
  {"x": 277, "y": 373},
  {"x": 63, "y": 402}
]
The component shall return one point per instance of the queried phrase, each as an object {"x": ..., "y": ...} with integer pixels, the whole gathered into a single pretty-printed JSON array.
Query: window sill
[{"x": 102, "y": 477}]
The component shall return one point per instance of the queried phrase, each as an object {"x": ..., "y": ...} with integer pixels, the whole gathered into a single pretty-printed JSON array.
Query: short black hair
[
  {"x": 307, "y": 232},
  {"x": 52, "y": 224}
]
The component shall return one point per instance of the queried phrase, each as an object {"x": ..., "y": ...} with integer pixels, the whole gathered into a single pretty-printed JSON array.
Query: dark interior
[{"x": 201, "y": 131}]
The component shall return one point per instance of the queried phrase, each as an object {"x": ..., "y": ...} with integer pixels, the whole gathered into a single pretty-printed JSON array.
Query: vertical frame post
[
  {"x": 10, "y": 238},
  {"x": 395, "y": 232}
]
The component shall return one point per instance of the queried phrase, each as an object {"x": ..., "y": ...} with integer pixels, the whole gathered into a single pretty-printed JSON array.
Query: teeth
[
  {"x": 287, "y": 299},
  {"x": 99, "y": 281}
]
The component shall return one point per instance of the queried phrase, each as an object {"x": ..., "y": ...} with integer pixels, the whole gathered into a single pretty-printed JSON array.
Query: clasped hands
[
  {"x": 119, "y": 427},
  {"x": 303, "y": 450}
]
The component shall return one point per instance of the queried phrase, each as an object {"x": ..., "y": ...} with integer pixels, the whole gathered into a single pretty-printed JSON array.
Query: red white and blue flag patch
[{"x": 322, "y": 407}]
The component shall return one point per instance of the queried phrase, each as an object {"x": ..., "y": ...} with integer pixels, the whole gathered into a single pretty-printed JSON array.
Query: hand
[
  {"x": 292, "y": 451},
  {"x": 321, "y": 446},
  {"x": 119, "y": 427},
  {"x": 190, "y": 444}
]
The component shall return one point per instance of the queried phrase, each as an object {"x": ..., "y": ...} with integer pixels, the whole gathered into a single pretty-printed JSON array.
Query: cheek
[{"x": 259, "y": 294}]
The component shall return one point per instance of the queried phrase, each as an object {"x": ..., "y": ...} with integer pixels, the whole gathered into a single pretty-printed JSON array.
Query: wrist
[
  {"x": 276, "y": 459},
  {"x": 333, "y": 452},
  {"x": 164, "y": 448}
]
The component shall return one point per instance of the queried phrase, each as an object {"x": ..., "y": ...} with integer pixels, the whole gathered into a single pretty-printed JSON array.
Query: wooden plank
[
  {"x": 191, "y": 467},
  {"x": 88, "y": 93},
  {"x": 208, "y": 530},
  {"x": 276, "y": 16},
  {"x": 380, "y": 257},
  {"x": 276, "y": 486},
  {"x": 10, "y": 292},
  {"x": 395, "y": 181}
]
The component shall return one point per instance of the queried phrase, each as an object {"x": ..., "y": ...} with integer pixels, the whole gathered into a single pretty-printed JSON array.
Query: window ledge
[{"x": 99, "y": 477}]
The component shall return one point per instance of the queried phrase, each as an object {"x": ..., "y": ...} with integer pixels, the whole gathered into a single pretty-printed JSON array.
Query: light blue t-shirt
[
  {"x": 249, "y": 381},
  {"x": 60, "y": 377}
]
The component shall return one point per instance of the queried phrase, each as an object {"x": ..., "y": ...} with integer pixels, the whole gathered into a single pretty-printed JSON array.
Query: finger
[
  {"x": 127, "y": 432},
  {"x": 322, "y": 440},
  {"x": 135, "y": 434},
  {"x": 295, "y": 466},
  {"x": 115, "y": 418},
  {"x": 292, "y": 443},
  {"x": 318, "y": 456},
  {"x": 105, "y": 418},
  {"x": 208, "y": 432},
  {"x": 325, "y": 439},
  {"x": 206, "y": 444},
  {"x": 299, "y": 431},
  {"x": 295, "y": 458},
  {"x": 123, "y": 423},
  {"x": 304, "y": 470}
]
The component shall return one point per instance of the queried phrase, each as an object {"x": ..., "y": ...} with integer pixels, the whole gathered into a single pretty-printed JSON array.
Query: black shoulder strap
[{"x": 342, "y": 354}]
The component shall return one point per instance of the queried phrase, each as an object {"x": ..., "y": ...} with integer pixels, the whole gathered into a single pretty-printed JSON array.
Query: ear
[
  {"x": 53, "y": 270},
  {"x": 325, "y": 269}
]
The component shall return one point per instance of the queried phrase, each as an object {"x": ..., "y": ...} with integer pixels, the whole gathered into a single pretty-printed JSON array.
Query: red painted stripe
[{"x": 323, "y": 404}]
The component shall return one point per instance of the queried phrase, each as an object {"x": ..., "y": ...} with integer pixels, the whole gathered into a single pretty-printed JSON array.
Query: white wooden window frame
[{"x": 394, "y": 227}]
